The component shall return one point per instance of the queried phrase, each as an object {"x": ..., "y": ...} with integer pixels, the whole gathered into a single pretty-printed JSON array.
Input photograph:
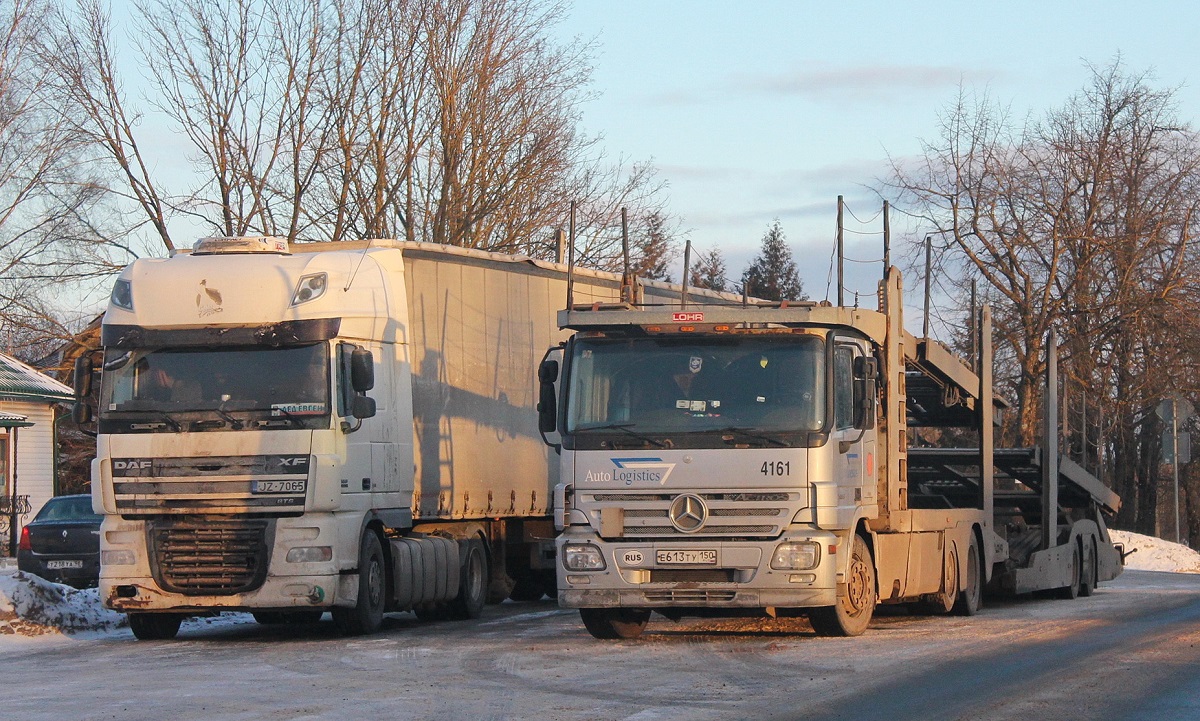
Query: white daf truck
[
  {"x": 762, "y": 459},
  {"x": 346, "y": 427}
]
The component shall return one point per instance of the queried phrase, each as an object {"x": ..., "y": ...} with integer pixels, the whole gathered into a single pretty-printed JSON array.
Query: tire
[
  {"x": 1087, "y": 578},
  {"x": 970, "y": 599},
  {"x": 1071, "y": 590},
  {"x": 367, "y": 614},
  {"x": 851, "y": 615},
  {"x": 154, "y": 626},
  {"x": 614, "y": 623},
  {"x": 472, "y": 583},
  {"x": 944, "y": 602}
]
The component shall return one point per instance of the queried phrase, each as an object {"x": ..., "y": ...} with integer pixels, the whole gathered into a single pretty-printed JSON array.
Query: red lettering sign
[{"x": 687, "y": 317}]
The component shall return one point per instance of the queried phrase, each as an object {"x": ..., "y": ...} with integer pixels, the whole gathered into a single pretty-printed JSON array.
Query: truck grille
[
  {"x": 729, "y": 514},
  {"x": 219, "y": 558},
  {"x": 213, "y": 484}
]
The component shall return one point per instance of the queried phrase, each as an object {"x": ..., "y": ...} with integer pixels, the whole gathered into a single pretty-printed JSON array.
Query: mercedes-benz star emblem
[{"x": 688, "y": 513}]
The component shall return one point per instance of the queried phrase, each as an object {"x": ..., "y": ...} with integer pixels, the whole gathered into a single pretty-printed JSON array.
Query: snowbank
[
  {"x": 31, "y": 606},
  {"x": 1155, "y": 554}
]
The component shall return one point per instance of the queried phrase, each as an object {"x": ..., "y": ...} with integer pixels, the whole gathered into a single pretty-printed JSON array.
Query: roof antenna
[
  {"x": 687, "y": 269},
  {"x": 361, "y": 257},
  {"x": 571, "y": 261}
]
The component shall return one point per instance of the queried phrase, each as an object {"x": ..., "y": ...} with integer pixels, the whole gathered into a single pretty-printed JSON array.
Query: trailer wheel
[
  {"x": 1071, "y": 590},
  {"x": 472, "y": 585},
  {"x": 367, "y": 614},
  {"x": 154, "y": 626},
  {"x": 851, "y": 615},
  {"x": 1088, "y": 582},
  {"x": 970, "y": 599},
  {"x": 613, "y": 623}
]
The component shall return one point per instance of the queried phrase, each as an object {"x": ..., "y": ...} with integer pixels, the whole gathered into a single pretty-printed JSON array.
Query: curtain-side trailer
[{"x": 346, "y": 427}]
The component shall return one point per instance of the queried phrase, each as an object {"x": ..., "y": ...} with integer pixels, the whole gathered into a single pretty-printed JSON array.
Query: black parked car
[{"x": 62, "y": 542}]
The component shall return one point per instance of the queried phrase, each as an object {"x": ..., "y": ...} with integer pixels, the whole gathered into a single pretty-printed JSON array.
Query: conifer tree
[
  {"x": 709, "y": 271},
  {"x": 772, "y": 274},
  {"x": 656, "y": 250}
]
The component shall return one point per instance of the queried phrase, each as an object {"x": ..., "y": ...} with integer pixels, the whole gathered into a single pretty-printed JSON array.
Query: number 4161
[{"x": 776, "y": 468}]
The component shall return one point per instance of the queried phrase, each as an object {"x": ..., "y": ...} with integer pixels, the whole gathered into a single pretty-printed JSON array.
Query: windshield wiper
[
  {"x": 751, "y": 433},
  {"x": 287, "y": 416},
  {"x": 233, "y": 422},
  {"x": 627, "y": 428},
  {"x": 169, "y": 420}
]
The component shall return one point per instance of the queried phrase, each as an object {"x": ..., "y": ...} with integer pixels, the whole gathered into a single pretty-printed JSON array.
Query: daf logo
[
  {"x": 688, "y": 513},
  {"x": 130, "y": 465}
]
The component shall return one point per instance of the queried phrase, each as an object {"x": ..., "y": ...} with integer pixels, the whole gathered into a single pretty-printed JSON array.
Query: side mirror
[
  {"x": 547, "y": 406},
  {"x": 363, "y": 407},
  {"x": 82, "y": 380},
  {"x": 362, "y": 372},
  {"x": 81, "y": 412},
  {"x": 866, "y": 373}
]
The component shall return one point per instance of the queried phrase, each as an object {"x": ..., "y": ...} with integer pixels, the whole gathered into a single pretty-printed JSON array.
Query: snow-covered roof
[
  {"x": 12, "y": 420},
  {"x": 21, "y": 382}
]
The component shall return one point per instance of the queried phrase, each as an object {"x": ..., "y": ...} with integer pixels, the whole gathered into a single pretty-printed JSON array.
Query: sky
[
  {"x": 763, "y": 109},
  {"x": 758, "y": 109}
]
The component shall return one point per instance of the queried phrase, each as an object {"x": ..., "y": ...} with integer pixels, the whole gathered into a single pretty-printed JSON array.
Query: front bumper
[
  {"x": 129, "y": 581},
  {"x": 134, "y": 594},
  {"x": 742, "y": 576}
]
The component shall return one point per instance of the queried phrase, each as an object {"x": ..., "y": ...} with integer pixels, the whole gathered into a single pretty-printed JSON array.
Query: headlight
[
  {"x": 122, "y": 294},
  {"x": 310, "y": 554},
  {"x": 796, "y": 556},
  {"x": 583, "y": 557},
  {"x": 310, "y": 287}
]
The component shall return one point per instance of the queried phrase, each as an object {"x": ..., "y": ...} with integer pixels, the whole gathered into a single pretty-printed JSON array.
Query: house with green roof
[{"x": 29, "y": 404}]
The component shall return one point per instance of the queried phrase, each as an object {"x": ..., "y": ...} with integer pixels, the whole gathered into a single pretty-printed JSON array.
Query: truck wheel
[
  {"x": 1087, "y": 579},
  {"x": 154, "y": 626},
  {"x": 851, "y": 615},
  {"x": 613, "y": 623},
  {"x": 1071, "y": 590},
  {"x": 367, "y": 614},
  {"x": 970, "y": 599},
  {"x": 942, "y": 603},
  {"x": 472, "y": 584}
]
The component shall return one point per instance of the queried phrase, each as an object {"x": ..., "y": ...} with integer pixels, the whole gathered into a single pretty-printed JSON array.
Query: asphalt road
[{"x": 1132, "y": 651}]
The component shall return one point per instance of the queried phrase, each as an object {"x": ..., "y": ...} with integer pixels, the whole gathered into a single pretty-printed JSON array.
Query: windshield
[
  {"x": 672, "y": 386},
  {"x": 236, "y": 387}
]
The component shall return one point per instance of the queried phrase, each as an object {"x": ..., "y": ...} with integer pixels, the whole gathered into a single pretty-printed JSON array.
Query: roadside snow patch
[
  {"x": 32, "y": 606},
  {"x": 1155, "y": 554}
]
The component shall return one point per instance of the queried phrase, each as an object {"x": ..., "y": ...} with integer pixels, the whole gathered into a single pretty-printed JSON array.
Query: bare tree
[{"x": 1082, "y": 221}]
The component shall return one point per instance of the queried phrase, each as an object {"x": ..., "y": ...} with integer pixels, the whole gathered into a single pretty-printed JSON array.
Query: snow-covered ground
[
  {"x": 1155, "y": 554},
  {"x": 31, "y": 607}
]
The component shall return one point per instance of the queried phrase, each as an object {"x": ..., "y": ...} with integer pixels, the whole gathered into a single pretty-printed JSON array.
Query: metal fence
[{"x": 13, "y": 510}]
